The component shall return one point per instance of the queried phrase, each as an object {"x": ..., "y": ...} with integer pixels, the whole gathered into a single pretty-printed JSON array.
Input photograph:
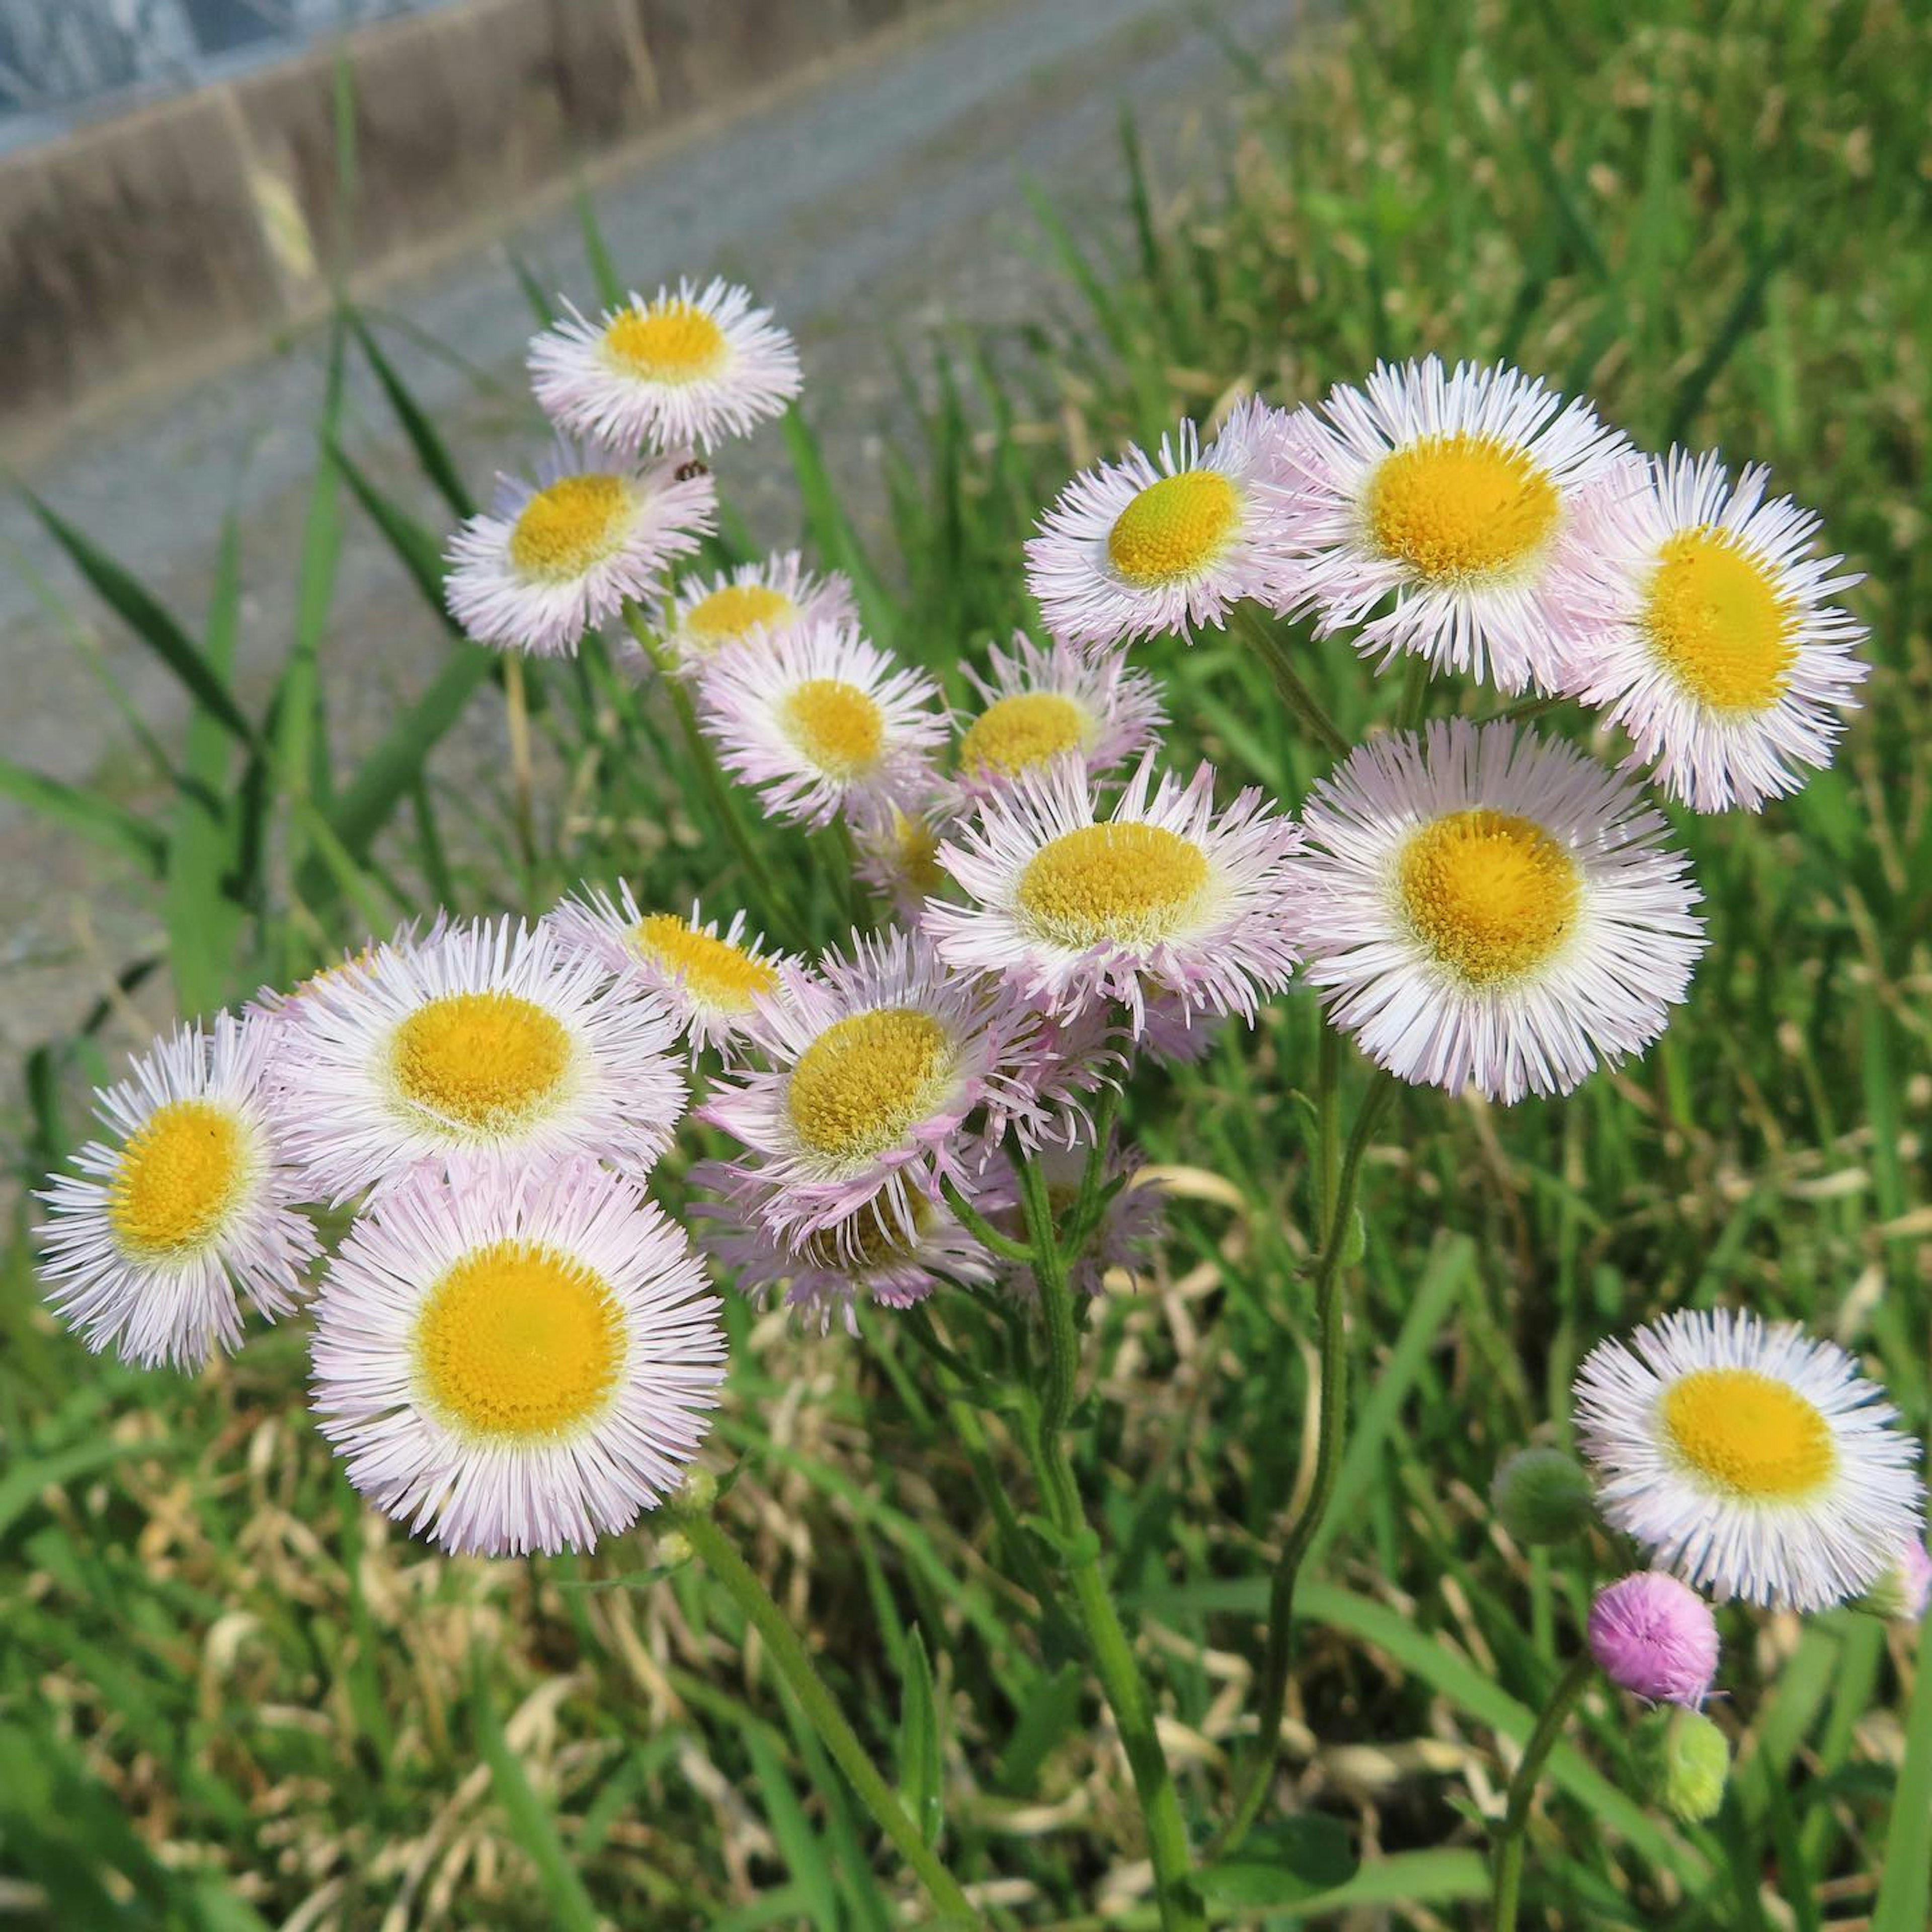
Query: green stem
[
  {"x": 1086, "y": 1211},
  {"x": 1295, "y": 694},
  {"x": 1107, "y": 1642},
  {"x": 1414, "y": 695},
  {"x": 1527, "y": 707},
  {"x": 982, "y": 1230},
  {"x": 1512, "y": 1835},
  {"x": 717, "y": 791},
  {"x": 821, "y": 1712},
  {"x": 1331, "y": 1430}
]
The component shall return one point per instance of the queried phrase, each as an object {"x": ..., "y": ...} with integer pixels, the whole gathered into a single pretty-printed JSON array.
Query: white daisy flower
[
  {"x": 516, "y": 1362},
  {"x": 1710, "y": 633},
  {"x": 873, "y": 1065},
  {"x": 493, "y": 1043},
  {"x": 863, "y": 1257},
  {"x": 557, "y": 558},
  {"x": 1450, "y": 492},
  {"x": 1750, "y": 1459},
  {"x": 712, "y": 980},
  {"x": 145, "y": 1248},
  {"x": 1143, "y": 547},
  {"x": 823, "y": 722},
  {"x": 689, "y": 367},
  {"x": 767, "y": 600},
  {"x": 1484, "y": 910},
  {"x": 1037, "y": 705},
  {"x": 1162, "y": 900}
]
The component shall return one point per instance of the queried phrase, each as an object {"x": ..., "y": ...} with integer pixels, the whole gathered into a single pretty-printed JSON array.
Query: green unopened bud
[
  {"x": 699, "y": 1492},
  {"x": 674, "y": 1550},
  {"x": 1684, "y": 1759},
  {"x": 1900, "y": 1594},
  {"x": 1542, "y": 1495}
]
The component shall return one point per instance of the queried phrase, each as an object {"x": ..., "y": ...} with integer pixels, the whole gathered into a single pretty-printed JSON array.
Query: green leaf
[
  {"x": 920, "y": 1772},
  {"x": 799, "y": 1845},
  {"x": 131, "y": 602},
  {"x": 415, "y": 548},
  {"x": 1905, "y": 1888},
  {"x": 432, "y": 452},
  {"x": 1299, "y": 1859},
  {"x": 612, "y": 288},
  {"x": 531, "y": 1822},
  {"x": 87, "y": 813}
]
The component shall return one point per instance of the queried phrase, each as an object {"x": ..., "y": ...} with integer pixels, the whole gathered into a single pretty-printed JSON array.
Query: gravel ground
[{"x": 870, "y": 203}]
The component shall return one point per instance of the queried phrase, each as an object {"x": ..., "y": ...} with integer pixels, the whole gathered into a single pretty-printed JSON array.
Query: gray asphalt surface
[{"x": 869, "y": 203}]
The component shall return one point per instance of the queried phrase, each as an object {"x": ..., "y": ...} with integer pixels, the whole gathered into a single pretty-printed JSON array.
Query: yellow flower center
[
  {"x": 178, "y": 1179},
  {"x": 1718, "y": 624},
  {"x": 837, "y": 726},
  {"x": 914, "y": 857},
  {"x": 1491, "y": 896},
  {"x": 730, "y": 613},
  {"x": 1749, "y": 1434},
  {"x": 867, "y": 1078},
  {"x": 713, "y": 970},
  {"x": 1014, "y": 733},
  {"x": 1175, "y": 528},
  {"x": 480, "y": 1063},
  {"x": 666, "y": 341},
  {"x": 518, "y": 1341},
  {"x": 574, "y": 523},
  {"x": 1130, "y": 883},
  {"x": 1456, "y": 508}
]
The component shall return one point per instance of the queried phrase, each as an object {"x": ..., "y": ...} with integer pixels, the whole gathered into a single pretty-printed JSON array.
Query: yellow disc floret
[
  {"x": 1456, "y": 509},
  {"x": 179, "y": 1178},
  {"x": 1491, "y": 895},
  {"x": 1174, "y": 529},
  {"x": 838, "y": 727},
  {"x": 1129, "y": 884},
  {"x": 871, "y": 1239},
  {"x": 713, "y": 970},
  {"x": 667, "y": 341},
  {"x": 735, "y": 611},
  {"x": 1749, "y": 1434},
  {"x": 519, "y": 1341},
  {"x": 1718, "y": 623},
  {"x": 482, "y": 1062},
  {"x": 1013, "y": 734},
  {"x": 867, "y": 1078},
  {"x": 576, "y": 523}
]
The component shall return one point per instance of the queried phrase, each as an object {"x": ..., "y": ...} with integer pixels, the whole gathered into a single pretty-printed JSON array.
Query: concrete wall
[{"x": 207, "y": 221}]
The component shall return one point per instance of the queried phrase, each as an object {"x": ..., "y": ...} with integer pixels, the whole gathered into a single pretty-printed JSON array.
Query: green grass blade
[
  {"x": 87, "y": 812},
  {"x": 531, "y": 1820},
  {"x": 612, "y": 288},
  {"x": 431, "y": 452},
  {"x": 1905, "y": 1890},
  {"x": 132, "y": 603}
]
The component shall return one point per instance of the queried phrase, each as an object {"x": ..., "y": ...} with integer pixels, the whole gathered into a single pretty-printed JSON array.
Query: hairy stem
[
  {"x": 1331, "y": 1431},
  {"x": 1249, "y": 620},
  {"x": 1512, "y": 1837}
]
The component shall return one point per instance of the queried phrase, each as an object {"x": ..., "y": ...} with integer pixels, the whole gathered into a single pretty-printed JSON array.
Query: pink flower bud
[{"x": 1656, "y": 1637}]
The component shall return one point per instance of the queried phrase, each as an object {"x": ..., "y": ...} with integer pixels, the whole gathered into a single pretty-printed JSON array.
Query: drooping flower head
[
  {"x": 1749, "y": 1458},
  {"x": 875, "y": 1064},
  {"x": 823, "y": 722},
  {"x": 1161, "y": 897},
  {"x": 191, "y": 1199},
  {"x": 1655, "y": 1638},
  {"x": 711, "y": 980},
  {"x": 1038, "y": 705},
  {"x": 1144, "y": 547},
  {"x": 1449, "y": 492},
  {"x": 517, "y": 1363},
  {"x": 766, "y": 601},
  {"x": 689, "y": 367},
  {"x": 495, "y": 1044},
  {"x": 1710, "y": 632},
  {"x": 825, "y": 1275},
  {"x": 554, "y": 559},
  {"x": 1485, "y": 910}
]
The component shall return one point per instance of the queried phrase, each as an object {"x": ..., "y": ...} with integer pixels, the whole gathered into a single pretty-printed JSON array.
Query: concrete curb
[{"x": 205, "y": 222}]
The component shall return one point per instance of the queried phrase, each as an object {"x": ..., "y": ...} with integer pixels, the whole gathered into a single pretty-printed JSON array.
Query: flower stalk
[{"x": 1512, "y": 1834}]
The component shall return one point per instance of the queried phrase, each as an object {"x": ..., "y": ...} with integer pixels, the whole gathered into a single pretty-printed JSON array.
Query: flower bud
[
  {"x": 674, "y": 1550},
  {"x": 1901, "y": 1591},
  {"x": 1656, "y": 1637},
  {"x": 1542, "y": 1495},
  {"x": 699, "y": 1491},
  {"x": 1685, "y": 1760}
]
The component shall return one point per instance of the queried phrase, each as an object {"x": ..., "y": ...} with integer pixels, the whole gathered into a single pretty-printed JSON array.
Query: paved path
[{"x": 867, "y": 202}]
